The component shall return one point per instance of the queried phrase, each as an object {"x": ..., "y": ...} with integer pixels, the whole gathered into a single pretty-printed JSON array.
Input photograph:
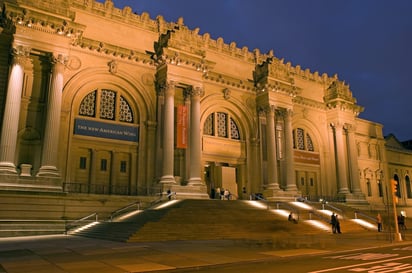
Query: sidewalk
[{"x": 73, "y": 254}]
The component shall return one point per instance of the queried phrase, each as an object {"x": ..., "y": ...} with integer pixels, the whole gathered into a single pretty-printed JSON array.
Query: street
[{"x": 396, "y": 258}]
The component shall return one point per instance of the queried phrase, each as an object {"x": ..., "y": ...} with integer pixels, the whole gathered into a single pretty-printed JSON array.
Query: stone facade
[{"x": 97, "y": 99}]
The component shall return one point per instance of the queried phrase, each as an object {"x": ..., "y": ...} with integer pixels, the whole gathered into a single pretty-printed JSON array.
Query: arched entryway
[{"x": 223, "y": 154}]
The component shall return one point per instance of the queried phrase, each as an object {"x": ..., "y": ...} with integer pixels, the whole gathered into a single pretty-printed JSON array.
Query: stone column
[
  {"x": 195, "y": 148},
  {"x": 114, "y": 173},
  {"x": 353, "y": 159},
  {"x": 290, "y": 170},
  {"x": 10, "y": 122},
  {"x": 168, "y": 135},
  {"x": 93, "y": 170},
  {"x": 341, "y": 160},
  {"x": 50, "y": 153},
  {"x": 272, "y": 167}
]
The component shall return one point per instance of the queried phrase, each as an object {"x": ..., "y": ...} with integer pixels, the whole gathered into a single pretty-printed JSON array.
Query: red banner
[{"x": 181, "y": 141}]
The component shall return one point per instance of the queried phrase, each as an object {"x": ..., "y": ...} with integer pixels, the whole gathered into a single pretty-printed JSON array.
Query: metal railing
[
  {"x": 81, "y": 221},
  {"x": 290, "y": 208},
  {"x": 121, "y": 210},
  {"x": 319, "y": 216},
  {"x": 361, "y": 215}
]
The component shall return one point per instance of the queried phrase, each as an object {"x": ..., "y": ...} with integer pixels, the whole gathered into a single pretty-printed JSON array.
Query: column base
[
  {"x": 283, "y": 196},
  {"x": 30, "y": 184},
  {"x": 196, "y": 181},
  {"x": 356, "y": 198},
  {"x": 48, "y": 171},
  {"x": 8, "y": 168},
  {"x": 273, "y": 186},
  {"x": 167, "y": 179},
  {"x": 343, "y": 191}
]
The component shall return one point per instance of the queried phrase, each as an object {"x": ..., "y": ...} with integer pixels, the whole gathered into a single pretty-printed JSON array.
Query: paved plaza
[{"x": 74, "y": 254}]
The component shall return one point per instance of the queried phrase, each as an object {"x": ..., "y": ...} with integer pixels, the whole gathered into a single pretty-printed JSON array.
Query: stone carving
[{"x": 113, "y": 67}]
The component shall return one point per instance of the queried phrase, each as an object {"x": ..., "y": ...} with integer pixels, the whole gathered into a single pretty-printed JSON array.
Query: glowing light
[
  {"x": 318, "y": 224},
  {"x": 167, "y": 204},
  {"x": 281, "y": 212},
  {"x": 364, "y": 223},
  {"x": 84, "y": 227},
  {"x": 301, "y": 205},
  {"x": 257, "y": 204},
  {"x": 128, "y": 215}
]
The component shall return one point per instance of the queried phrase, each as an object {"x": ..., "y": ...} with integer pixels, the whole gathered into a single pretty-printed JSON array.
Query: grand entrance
[{"x": 220, "y": 177}]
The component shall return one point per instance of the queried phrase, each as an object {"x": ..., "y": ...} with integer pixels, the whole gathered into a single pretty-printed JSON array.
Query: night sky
[{"x": 367, "y": 43}]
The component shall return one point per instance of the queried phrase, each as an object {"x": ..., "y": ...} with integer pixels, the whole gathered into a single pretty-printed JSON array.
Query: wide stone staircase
[{"x": 217, "y": 220}]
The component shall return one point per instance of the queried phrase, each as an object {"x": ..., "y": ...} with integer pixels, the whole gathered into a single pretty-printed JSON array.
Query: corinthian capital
[
  {"x": 20, "y": 55},
  {"x": 197, "y": 92}
]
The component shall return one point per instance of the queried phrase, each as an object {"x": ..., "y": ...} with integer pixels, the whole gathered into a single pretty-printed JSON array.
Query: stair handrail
[
  {"x": 319, "y": 215},
  {"x": 288, "y": 207},
  {"x": 357, "y": 213},
  {"x": 260, "y": 198},
  {"x": 340, "y": 211},
  {"x": 118, "y": 211},
  {"x": 74, "y": 223}
]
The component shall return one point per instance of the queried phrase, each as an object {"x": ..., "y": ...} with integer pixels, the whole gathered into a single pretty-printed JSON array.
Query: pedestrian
[
  {"x": 227, "y": 194},
  {"x": 401, "y": 222},
  {"x": 333, "y": 222},
  {"x": 337, "y": 223},
  {"x": 379, "y": 222},
  {"x": 169, "y": 194},
  {"x": 292, "y": 219}
]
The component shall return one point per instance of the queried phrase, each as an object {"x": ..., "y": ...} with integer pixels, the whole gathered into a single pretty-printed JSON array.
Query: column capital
[
  {"x": 166, "y": 88},
  {"x": 20, "y": 55},
  {"x": 350, "y": 128},
  {"x": 197, "y": 91},
  {"x": 337, "y": 125}
]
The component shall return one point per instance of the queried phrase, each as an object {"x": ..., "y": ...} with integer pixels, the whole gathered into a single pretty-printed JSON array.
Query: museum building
[{"x": 97, "y": 99}]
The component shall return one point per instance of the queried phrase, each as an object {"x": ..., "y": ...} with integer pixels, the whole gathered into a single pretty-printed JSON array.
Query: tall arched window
[
  {"x": 106, "y": 104},
  {"x": 398, "y": 192},
  {"x": 302, "y": 140},
  {"x": 221, "y": 124},
  {"x": 408, "y": 186}
]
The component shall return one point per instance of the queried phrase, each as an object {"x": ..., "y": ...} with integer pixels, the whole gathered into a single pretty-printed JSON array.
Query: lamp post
[{"x": 394, "y": 188}]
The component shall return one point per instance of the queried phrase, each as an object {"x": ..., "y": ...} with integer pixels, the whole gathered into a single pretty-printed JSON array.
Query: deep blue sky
[{"x": 368, "y": 43}]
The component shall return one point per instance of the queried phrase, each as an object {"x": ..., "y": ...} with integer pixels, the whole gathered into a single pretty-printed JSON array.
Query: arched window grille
[
  {"x": 221, "y": 124},
  {"x": 302, "y": 140},
  {"x": 106, "y": 104}
]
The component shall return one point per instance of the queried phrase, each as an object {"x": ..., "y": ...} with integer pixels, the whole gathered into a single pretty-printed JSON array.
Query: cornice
[
  {"x": 24, "y": 16},
  {"x": 229, "y": 81},
  {"x": 113, "y": 51},
  {"x": 309, "y": 102}
]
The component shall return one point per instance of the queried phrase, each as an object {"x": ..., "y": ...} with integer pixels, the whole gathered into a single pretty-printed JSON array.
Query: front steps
[{"x": 212, "y": 220}]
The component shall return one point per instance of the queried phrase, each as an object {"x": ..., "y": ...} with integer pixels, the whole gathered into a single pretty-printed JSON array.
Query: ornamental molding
[{"x": 229, "y": 81}]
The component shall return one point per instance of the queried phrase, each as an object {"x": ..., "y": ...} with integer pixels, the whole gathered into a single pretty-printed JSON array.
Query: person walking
[
  {"x": 333, "y": 222},
  {"x": 379, "y": 222},
  {"x": 337, "y": 223}
]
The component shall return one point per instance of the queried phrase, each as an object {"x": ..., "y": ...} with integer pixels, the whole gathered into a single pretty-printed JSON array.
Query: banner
[
  {"x": 306, "y": 157},
  {"x": 106, "y": 130},
  {"x": 181, "y": 139}
]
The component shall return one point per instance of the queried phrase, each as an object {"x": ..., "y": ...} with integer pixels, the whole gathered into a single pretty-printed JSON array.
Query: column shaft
[
  {"x": 51, "y": 134},
  {"x": 341, "y": 160},
  {"x": 272, "y": 168},
  {"x": 353, "y": 168},
  {"x": 168, "y": 135},
  {"x": 195, "y": 147},
  {"x": 11, "y": 115},
  {"x": 290, "y": 170}
]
